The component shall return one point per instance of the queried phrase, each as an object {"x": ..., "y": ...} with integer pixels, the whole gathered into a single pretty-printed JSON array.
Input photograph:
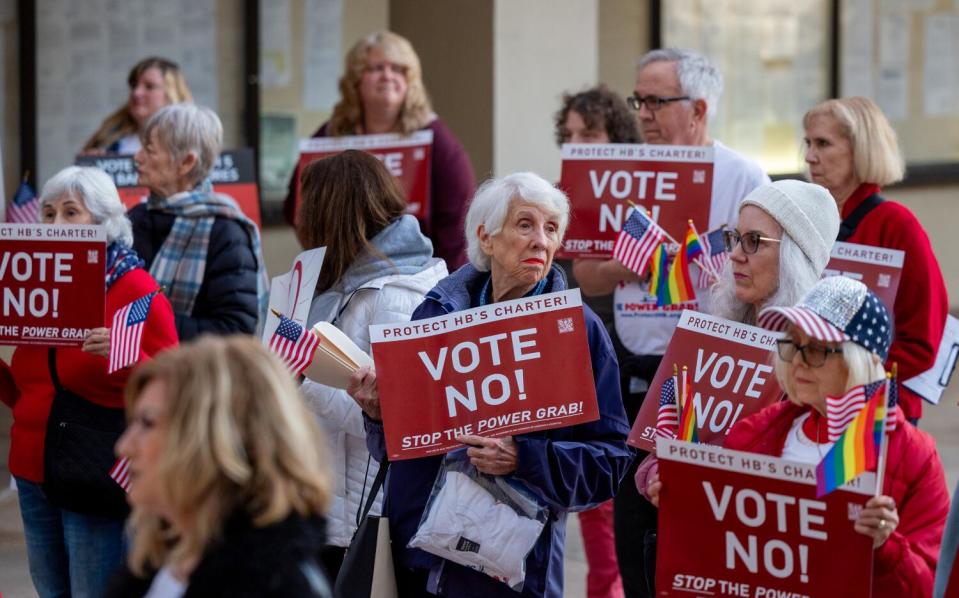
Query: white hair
[
  {"x": 186, "y": 128},
  {"x": 698, "y": 77},
  {"x": 491, "y": 204},
  {"x": 862, "y": 367},
  {"x": 96, "y": 191},
  {"x": 797, "y": 275}
]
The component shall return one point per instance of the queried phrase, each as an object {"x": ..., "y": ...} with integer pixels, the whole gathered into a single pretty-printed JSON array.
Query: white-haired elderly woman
[
  {"x": 513, "y": 228},
  {"x": 196, "y": 243},
  {"x": 836, "y": 338},
  {"x": 74, "y": 530}
]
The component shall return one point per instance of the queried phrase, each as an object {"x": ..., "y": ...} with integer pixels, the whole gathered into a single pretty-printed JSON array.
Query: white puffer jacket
[{"x": 383, "y": 300}]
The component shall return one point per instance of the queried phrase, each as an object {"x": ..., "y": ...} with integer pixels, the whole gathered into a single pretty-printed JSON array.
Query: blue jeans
[{"x": 70, "y": 554}]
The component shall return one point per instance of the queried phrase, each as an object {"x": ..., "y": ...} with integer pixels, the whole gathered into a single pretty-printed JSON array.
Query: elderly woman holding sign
[
  {"x": 851, "y": 149},
  {"x": 513, "y": 228},
  {"x": 196, "y": 243},
  {"x": 66, "y": 403},
  {"x": 836, "y": 340}
]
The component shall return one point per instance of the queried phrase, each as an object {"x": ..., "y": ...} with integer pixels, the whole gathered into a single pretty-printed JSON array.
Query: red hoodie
[
  {"x": 921, "y": 302},
  {"x": 904, "y": 566}
]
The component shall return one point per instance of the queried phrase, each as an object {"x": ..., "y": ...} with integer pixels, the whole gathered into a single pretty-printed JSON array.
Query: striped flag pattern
[
  {"x": 891, "y": 405},
  {"x": 637, "y": 241},
  {"x": 25, "y": 208},
  {"x": 667, "y": 418},
  {"x": 855, "y": 451},
  {"x": 121, "y": 473},
  {"x": 294, "y": 345},
  {"x": 714, "y": 257},
  {"x": 811, "y": 323},
  {"x": 840, "y": 411},
  {"x": 127, "y": 332}
]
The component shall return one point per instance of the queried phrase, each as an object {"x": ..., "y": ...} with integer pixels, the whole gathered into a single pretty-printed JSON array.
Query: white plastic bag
[{"x": 488, "y": 523}]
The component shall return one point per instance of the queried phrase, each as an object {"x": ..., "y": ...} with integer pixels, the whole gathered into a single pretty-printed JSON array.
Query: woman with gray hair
[
  {"x": 513, "y": 229},
  {"x": 196, "y": 243},
  {"x": 72, "y": 511}
]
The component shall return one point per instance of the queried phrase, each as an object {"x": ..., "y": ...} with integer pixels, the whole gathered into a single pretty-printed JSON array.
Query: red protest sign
[
  {"x": 740, "y": 524},
  {"x": 233, "y": 174},
  {"x": 729, "y": 371},
  {"x": 673, "y": 182},
  {"x": 496, "y": 370},
  {"x": 408, "y": 158},
  {"x": 52, "y": 283},
  {"x": 876, "y": 267}
]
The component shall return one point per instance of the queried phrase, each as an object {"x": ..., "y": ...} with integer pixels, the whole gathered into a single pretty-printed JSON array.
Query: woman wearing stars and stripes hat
[{"x": 836, "y": 338}]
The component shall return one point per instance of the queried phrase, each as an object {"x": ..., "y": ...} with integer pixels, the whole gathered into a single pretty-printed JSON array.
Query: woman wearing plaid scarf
[{"x": 196, "y": 243}]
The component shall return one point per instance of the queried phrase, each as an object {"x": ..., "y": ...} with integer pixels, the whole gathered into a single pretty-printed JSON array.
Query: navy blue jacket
[
  {"x": 570, "y": 469},
  {"x": 227, "y": 301}
]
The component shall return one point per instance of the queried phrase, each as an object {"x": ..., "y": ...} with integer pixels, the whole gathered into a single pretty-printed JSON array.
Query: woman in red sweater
[
  {"x": 71, "y": 552},
  {"x": 836, "y": 339},
  {"x": 851, "y": 150}
]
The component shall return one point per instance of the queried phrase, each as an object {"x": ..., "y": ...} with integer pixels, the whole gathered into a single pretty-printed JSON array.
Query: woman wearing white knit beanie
[{"x": 778, "y": 249}]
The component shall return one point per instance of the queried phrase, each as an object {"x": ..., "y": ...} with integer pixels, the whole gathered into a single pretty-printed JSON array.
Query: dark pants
[
  {"x": 634, "y": 518},
  {"x": 332, "y": 558}
]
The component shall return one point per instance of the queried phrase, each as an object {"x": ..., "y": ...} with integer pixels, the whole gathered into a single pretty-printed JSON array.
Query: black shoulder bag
[
  {"x": 78, "y": 453},
  {"x": 848, "y": 226}
]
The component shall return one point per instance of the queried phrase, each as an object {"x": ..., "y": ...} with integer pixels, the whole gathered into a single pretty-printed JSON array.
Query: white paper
[
  {"x": 292, "y": 293},
  {"x": 892, "y": 87},
  {"x": 322, "y": 59},
  {"x": 276, "y": 53},
  {"x": 930, "y": 384},
  {"x": 941, "y": 65}
]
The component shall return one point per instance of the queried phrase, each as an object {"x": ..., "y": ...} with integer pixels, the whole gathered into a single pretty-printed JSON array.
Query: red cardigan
[
  {"x": 921, "y": 302},
  {"x": 83, "y": 373},
  {"x": 905, "y": 564}
]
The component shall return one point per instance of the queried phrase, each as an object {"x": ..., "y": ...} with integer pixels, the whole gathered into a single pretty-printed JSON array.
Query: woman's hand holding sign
[
  {"x": 364, "y": 390},
  {"x": 97, "y": 342},
  {"x": 492, "y": 456}
]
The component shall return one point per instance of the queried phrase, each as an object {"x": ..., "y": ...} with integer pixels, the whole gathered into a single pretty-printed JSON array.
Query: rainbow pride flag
[
  {"x": 687, "y": 420},
  {"x": 856, "y": 451},
  {"x": 679, "y": 283},
  {"x": 658, "y": 272},
  {"x": 692, "y": 245}
]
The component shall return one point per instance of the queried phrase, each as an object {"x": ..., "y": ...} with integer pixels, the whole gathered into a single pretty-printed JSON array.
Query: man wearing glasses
[{"x": 676, "y": 93}]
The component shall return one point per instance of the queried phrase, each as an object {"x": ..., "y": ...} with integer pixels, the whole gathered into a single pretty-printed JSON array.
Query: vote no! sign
[
  {"x": 408, "y": 158},
  {"x": 673, "y": 182},
  {"x": 740, "y": 524},
  {"x": 878, "y": 268},
  {"x": 496, "y": 370},
  {"x": 51, "y": 283},
  {"x": 730, "y": 373}
]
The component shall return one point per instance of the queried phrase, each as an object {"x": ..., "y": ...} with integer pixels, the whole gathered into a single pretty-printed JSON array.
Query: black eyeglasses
[
  {"x": 653, "y": 103},
  {"x": 750, "y": 241},
  {"x": 814, "y": 355}
]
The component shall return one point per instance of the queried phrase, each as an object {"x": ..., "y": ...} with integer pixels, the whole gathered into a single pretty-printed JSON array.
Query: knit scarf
[
  {"x": 120, "y": 260},
  {"x": 180, "y": 264}
]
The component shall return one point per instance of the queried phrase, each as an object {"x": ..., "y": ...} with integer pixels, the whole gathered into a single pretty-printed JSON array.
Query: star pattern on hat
[{"x": 869, "y": 326}]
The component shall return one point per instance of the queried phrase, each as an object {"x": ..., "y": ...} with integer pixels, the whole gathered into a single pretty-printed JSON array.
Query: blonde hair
[
  {"x": 876, "y": 155},
  {"x": 416, "y": 112},
  {"x": 238, "y": 439},
  {"x": 862, "y": 367},
  {"x": 120, "y": 124}
]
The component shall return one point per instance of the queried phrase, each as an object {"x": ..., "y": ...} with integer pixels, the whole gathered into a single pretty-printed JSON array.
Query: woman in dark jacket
[
  {"x": 228, "y": 477},
  {"x": 514, "y": 226},
  {"x": 196, "y": 243},
  {"x": 381, "y": 91}
]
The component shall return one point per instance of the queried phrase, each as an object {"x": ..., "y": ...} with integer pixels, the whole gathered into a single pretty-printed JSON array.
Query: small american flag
[
  {"x": 121, "y": 473},
  {"x": 294, "y": 345},
  {"x": 25, "y": 208},
  {"x": 637, "y": 241},
  {"x": 891, "y": 405},
  {"x": 127, "y": 332},
  {"x": 667, "y": 419},
  {"x": 714, "y": 257},
  {"x": 840, "y": 411}
]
